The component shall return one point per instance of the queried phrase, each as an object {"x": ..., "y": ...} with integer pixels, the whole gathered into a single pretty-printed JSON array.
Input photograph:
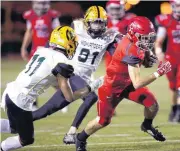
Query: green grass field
[{"x": 122, "y": 135}]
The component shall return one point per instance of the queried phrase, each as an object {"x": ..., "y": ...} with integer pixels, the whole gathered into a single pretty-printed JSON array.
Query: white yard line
[{"x": 107, "y": 143}]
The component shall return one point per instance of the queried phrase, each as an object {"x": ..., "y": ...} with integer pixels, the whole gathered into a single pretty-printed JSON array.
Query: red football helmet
[
  {"x": 115, "y": 9},
  {"x": 40, "y": 7},
  {"x": 175, "y": 4},
  {"x": 141, "y": 31}
]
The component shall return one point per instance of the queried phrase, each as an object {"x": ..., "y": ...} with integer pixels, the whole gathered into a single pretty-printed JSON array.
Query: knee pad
[
  {"x": 25, "y": 142},
  {"x": 104, "y": 121}
]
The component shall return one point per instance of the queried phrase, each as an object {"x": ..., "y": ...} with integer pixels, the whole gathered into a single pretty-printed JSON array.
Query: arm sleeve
[
  {"x": 28, "y": 24},
  {"x": 55, "y": 23},
  {"x": 131, "y": 60},
  {"x": 161, "y": 32}
]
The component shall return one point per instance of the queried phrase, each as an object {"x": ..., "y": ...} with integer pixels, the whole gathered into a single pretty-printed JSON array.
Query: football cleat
[
  {"x": 153, "y": 132},
  {"x": 80, "y": 145},
  {"x": 69, "y": 139}
]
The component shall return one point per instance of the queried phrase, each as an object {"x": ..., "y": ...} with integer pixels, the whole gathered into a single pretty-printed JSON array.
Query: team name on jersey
[{"x": 92, "y": 45}]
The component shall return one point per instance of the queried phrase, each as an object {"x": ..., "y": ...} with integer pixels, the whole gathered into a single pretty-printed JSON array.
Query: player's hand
[
  {"x": 163, "y": 68},
  {"x": 24, "y": 54}
]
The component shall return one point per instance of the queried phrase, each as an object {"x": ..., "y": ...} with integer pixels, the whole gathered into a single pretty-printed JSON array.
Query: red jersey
[
  {"x": 173, "y": 33},
  {"x": 117, "y": 75},
  {"x": 41, "y": 26},
  {"x": 122, "y": 24}
]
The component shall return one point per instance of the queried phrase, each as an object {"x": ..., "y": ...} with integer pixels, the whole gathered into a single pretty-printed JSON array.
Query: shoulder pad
[
  {"x": 162, "y": 20},
  {"x": 78, "y": 26},
  {"x": 54, "y": 13},
  {"x": 111, "y": 34},
  {"x": 28, "y": 14}
]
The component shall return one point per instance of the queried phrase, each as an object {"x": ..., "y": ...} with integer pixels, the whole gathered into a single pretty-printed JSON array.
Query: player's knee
[
  {"x": 91, "y": 99},
  {"x": 154, "y": 108},
  {"x": 27, "y": 141},
  {"x": 104, "y": 121}
]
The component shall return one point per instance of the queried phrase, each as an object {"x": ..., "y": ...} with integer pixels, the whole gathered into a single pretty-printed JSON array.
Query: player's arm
[
  {"x": 138, "y": 82},
  {"x": 63, "y": 72},
  {"x": 161, "y": 35},
  {"x": 26, "y": 41}
]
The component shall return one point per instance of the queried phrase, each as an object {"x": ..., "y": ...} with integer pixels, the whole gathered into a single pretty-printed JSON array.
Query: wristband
[{"x": 156, "y": 74}]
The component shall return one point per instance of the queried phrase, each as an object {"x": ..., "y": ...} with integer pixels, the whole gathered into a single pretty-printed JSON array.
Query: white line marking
[{"x": 107, "y": 143}]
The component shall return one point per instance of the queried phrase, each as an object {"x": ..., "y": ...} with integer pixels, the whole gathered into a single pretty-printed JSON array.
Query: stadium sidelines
[{"x": 107, "y": 143}]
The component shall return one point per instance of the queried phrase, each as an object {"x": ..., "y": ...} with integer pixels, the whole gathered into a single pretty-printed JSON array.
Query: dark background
[{"x": 13, "y": 25}]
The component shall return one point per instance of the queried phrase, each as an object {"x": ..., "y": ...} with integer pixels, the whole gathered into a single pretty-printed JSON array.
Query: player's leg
[
  {"x": 177, "y": 114},
  {"x": 171, "y": 76},
  {"x": 54, "y": 104},
  {"x": 105, "y": 106},
  {"x": 58, "y": 101},
  {"x": 144, "y": 97},
  {"x": 24, "y": 127},
  {"x": 89, "y": 101}
]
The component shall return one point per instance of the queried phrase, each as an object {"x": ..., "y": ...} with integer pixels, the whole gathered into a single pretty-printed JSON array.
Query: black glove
[
  {"x": 63, "y": 69},
  {"x": 149, "y": 60}
]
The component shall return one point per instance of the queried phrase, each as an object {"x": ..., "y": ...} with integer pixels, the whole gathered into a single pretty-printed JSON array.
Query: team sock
[
  {"x": 11, "y": 143},
  {"x": 147, "y": 123},
  {"x": 174, "y": 108},
  {"x": 83, "y": 136}
]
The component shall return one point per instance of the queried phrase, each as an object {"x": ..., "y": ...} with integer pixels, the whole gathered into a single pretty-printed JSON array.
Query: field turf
[{"x": 122, "y": 135}]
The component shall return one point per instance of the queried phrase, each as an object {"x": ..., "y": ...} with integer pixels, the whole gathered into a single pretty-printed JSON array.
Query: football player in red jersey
[
  {"x": 40, "y": 21},
  {"x": 169, "y": 26},
  {"x": 122, "y": 80},
  {"x": 117, "y": 19}
]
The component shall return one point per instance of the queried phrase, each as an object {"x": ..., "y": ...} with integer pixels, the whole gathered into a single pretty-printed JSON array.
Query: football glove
[
  {"x": 63, "y": 69},
  {"x": 163, "y": 68}
]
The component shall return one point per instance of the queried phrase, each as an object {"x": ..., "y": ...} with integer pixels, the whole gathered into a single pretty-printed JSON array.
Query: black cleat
[
  {"x": 80, "y": 145},
  {"x": 154, "y": 133},
  {"x": 69, "y": 139},
  {"x": 171, "y": 116}
]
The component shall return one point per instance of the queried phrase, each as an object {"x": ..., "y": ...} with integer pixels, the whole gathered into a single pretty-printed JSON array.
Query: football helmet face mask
[
  {"x": 95, "y": 21},
  {"x": 115, "y": 9},
  {"x": 40, "y": 7},
  {"x": 175, "y": 4},
  {"x": 141, "y": 31},
  {"x": 63, "y": 39}
]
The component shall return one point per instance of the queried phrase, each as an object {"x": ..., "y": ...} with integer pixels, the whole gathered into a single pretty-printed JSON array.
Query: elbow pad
[{"x": 63, "y": 69}]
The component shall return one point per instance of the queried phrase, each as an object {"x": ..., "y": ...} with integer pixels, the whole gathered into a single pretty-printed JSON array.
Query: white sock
[
  {"x": 5, "y": 127},
  {"x": 11, "y": 143},
  {"x": 72, "y": 130}
]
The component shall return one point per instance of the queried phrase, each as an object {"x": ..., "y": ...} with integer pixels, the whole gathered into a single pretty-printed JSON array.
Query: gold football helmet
[
  {"x": 63, "y": 38},
  {"x": 95, "y": 21}
]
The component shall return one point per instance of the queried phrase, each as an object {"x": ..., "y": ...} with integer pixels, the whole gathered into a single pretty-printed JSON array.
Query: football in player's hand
[
  {"x": 149, "y": 59},
  {"x": 63, "y": 69}
]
